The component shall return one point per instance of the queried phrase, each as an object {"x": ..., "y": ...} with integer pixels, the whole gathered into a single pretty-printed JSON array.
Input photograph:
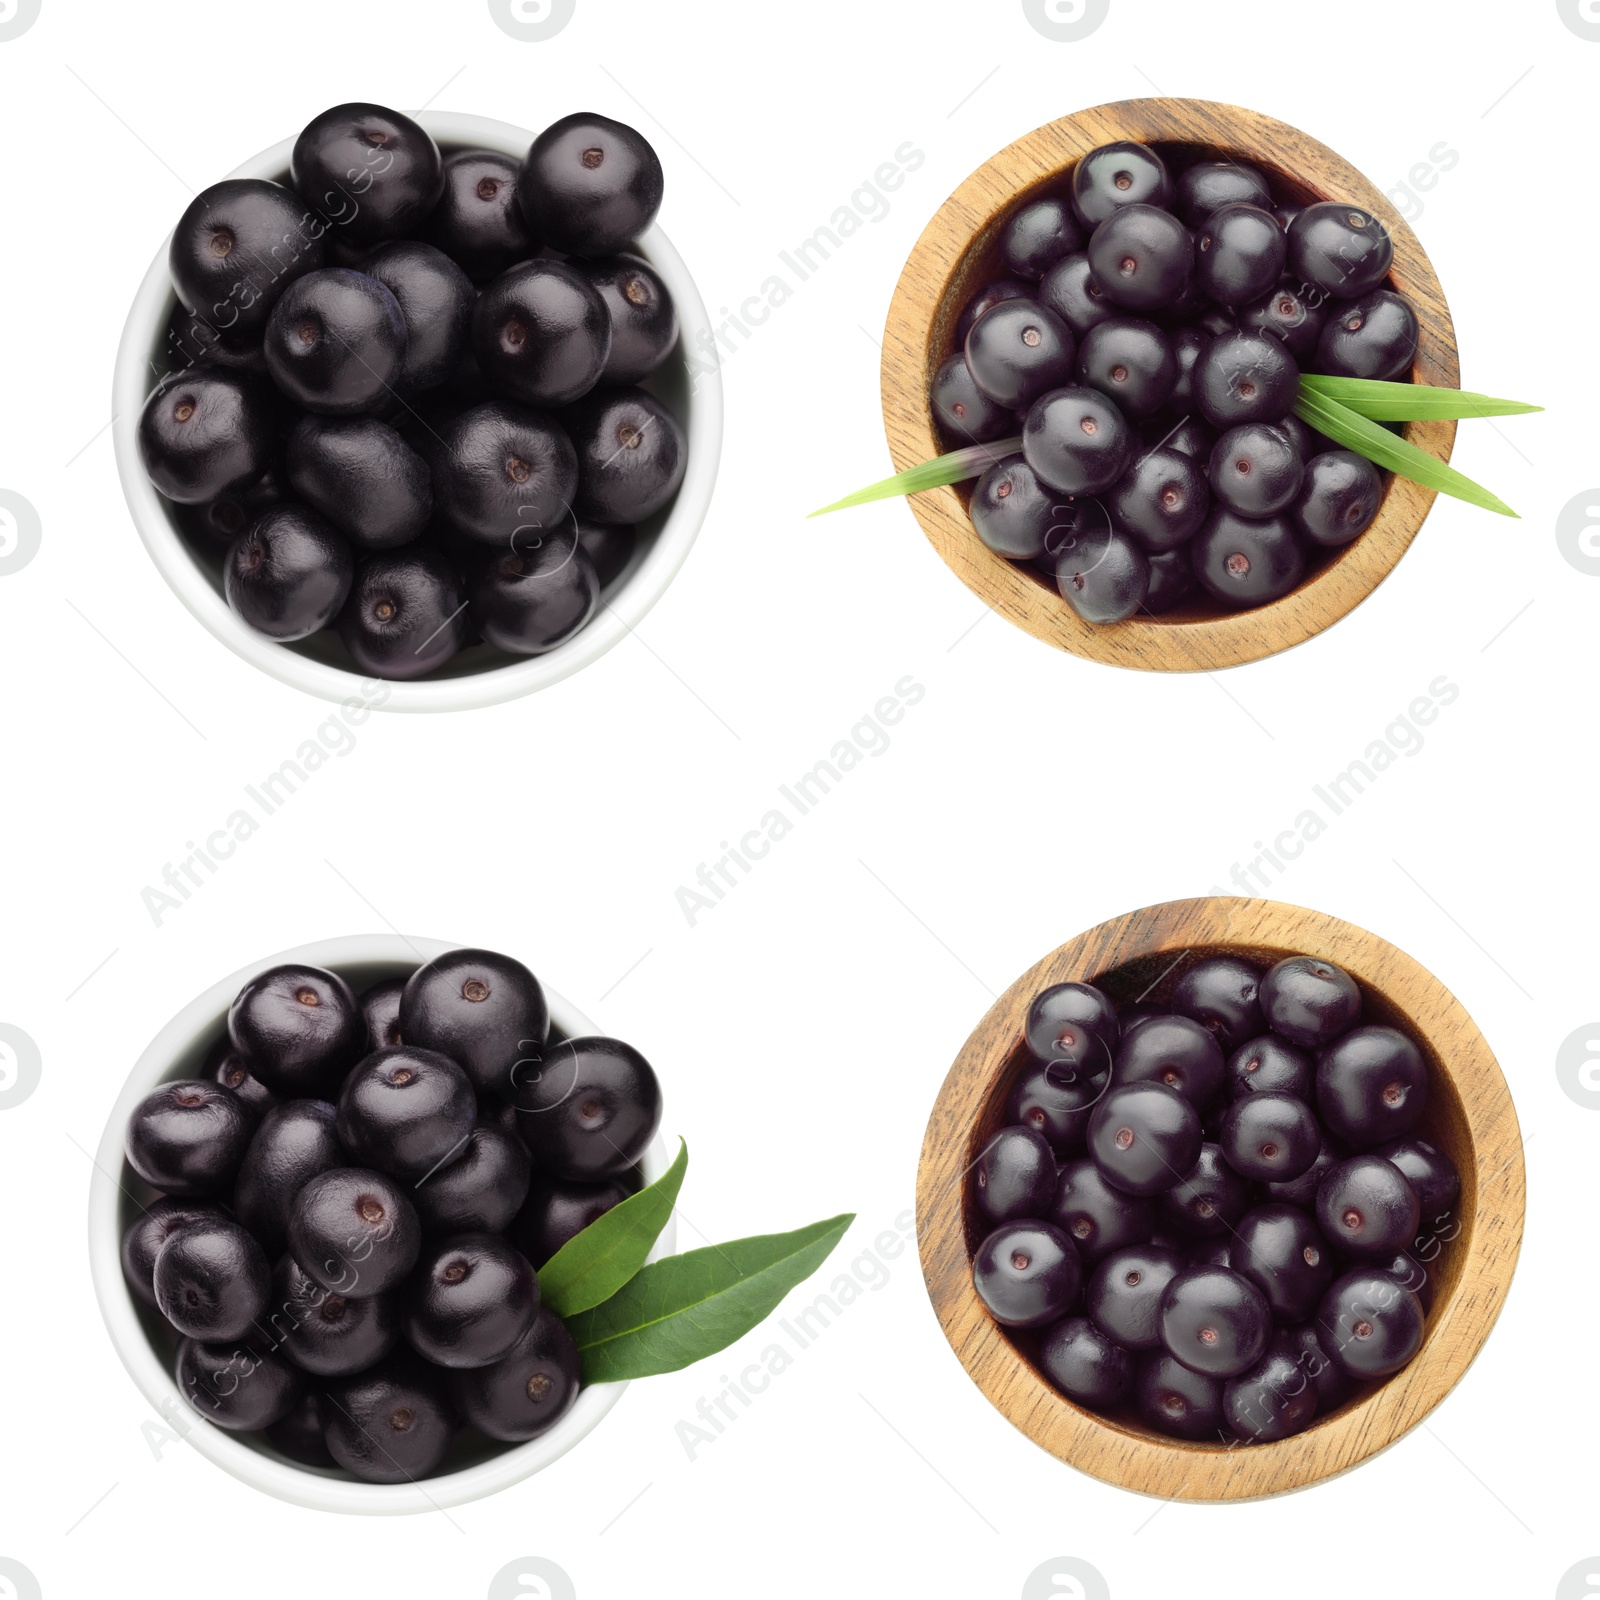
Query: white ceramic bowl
[
  {"x": 480, "y": 676},
  {"x": 116, "y": 1195}
]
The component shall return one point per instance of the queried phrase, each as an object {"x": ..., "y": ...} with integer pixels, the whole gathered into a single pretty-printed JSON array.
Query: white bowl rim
[
  {"x": 196, "y": 1023},
  {"x": 622, "y": 609}
]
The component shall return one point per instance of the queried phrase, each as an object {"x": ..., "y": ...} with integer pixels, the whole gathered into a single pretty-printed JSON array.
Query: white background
[{"x": 804, "y": 1025}]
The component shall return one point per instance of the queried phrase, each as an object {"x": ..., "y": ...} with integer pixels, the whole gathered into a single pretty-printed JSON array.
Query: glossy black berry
[
  {"x": 1144, "y": 1136},
  {"x": 1069, "y": 289},
  {"x": 1014, "y": 1176},
  {"x": 289, "y": 575},
  {"x": 1280, "y": 1250},
  {"x": 1309, "y": 1001},
  {"x": 1373, "y": 337},
  {"x": 1245, "y": 377},
  {"x": 188, "y": 1137},
  {"x": 528, "y": 1390},
  {"x": 406, "y": 1112},
  {"x": 1124, "y": 1294},
  {"x": 1056, "y": 1102},
  {"x": 1017, "y": 350},
  {"x": 589, "y": 1109},
  {"x": 990, "y": 294},
  {"x": 355, "y": 1232},
  {"x": 556, "y": 1212},
  {"x": 1131, "y": 361},
  {"x": 435, "y": 298},
  {"x": 1027, "y": 1274},
  {"x": 392, "y": 1423},
  {"x": 632, "y": 454},
  {"x": 151, "y": 1229},
  {"x": 205, "y": 431},
  {"x": 1073, "y": 1024},
  {"x": 1267, "y": 1063},
  {"x": 1273, "y": 1400},
  {"x": 541, "y": 333},
  {"x": 468, "y": 1301},
  {"x": 1208, "y": 186},
  {"x": 1288, "y": 313},
  {"x": 478, "y": 221},
  {"x": 298, "y": 1434},
  {"x": 1370, "y": 1324},
  {"x": 1239, "y": 254},
  {"x": 1329, "y": 1381},
  {"x": 330, "y": 1335},
  {"x": 1103, "y": 577},
  {"x": 1117, "y": 175},
  {"x": 1085, "y": 1364},
  {"x": 1255, "y": 469},
  {"x": 1214, "y": 1321},
  {"x": 373, "y": 173},
  {"x": 295, "y": 1142},
  {"x": 1038, "y": 235},
  {"x": 1339, "y": 496},
  {"x": 1141, "y": 257},
  {"x": 193, "y": 337},
  {"x": 1245, "y": 562},
  {"x": 1161, "y": 499},
  {"x": 609, "y": 549},
  {"x": 498, "y": 469},
  {"x": 236, "y": 248},
  {"x": 1209, "y": 1199},
  {"x": 1171, "y": 580},
  {"x": 336, "y": 342},
  {"x": 406, "y": 613},
  {"x": 534, "y": 596},
  {"x": 1095, "y": 1216},
  {"x": 481, "y": 1190},
  {"x": 1013, "y": 512},
  {"x": 1172, "y": 1398},
  {"x": 1175, "y": 1051},
  {"x": 1302, "y": 1191},
  {"x": 212, "y": 1281},
  {"x": 1077, "y": 441},
  {"x": 589, "y": 186},
  {"x": 644, "y": 322},
  {"x": 1372, "y": 1086},
  {"x": 299, "y": 1029},
  {"x": 1429, "y": 1171},
  {"x": 966, "y": 414},
  {"x": 1272, "y": 1138},
  {"x": 1189, "y": 435},
  {"x": 1339, "y": 247},
  {"x": 487, "y": 1012},
  {"x": 1367, "y": 1209},
  {"x": 233, "y": 512},
  {"x": 236, "y": 1388},
  {"x": 1222, "y": 994},
  {"x": 380, "y": 1006}
]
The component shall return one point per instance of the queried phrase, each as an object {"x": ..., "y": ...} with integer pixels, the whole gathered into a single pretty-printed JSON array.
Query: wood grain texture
[
  {"x": 1469, "y": 1115},
  {"x": 958, "y": 252}
]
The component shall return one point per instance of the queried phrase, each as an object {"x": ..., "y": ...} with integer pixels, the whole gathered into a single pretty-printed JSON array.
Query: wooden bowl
[
  {"x": 959, "y": 252},
  {"x": 1469, "y": 1116}
]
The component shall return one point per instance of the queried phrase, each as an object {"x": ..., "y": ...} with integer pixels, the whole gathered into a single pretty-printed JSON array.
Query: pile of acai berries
[
  {"x": 1146, "y": 343},
  {"x": 404, "y": 392},
  {"x": 352, "y": 1201},
  {"x": 1217, "y": 1218}
]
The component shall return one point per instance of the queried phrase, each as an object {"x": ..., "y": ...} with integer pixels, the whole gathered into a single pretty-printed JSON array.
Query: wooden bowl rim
[
  {"x": 913, "y": 347},
  {"x": 1457, "y": 1325}
]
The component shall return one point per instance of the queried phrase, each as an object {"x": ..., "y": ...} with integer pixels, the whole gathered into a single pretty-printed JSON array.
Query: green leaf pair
[
  {"x": 632, "y": 1320},
  {"x": 1347, "y": 410}
]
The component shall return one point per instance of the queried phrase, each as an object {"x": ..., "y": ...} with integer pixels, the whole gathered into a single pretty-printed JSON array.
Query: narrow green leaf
[
  {"x": 676, "y": 1311},
  {"x": 971, "y": 461},
  {"x": 1409, "y": 402},
  {"x": 592, "y": 1265},
  {"x": 1375, "y": 442}
]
